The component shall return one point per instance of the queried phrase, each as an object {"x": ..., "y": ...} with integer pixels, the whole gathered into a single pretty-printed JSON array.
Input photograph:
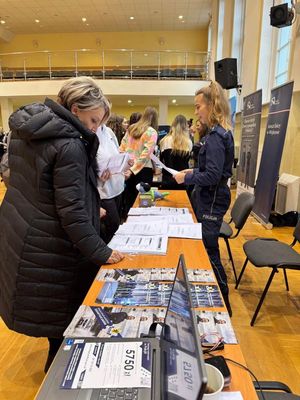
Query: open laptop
[{"x": 168, "y": 367}]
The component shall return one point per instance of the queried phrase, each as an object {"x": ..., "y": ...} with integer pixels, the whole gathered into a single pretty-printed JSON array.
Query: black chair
[
  {"x": 273, "y": 390},
  {"x": 239, "y": 214},
  {"x": 273, "y": 254}
]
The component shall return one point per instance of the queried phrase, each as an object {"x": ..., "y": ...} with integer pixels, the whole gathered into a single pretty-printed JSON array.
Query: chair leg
[
  {"x": 286, "y": 279},
  {"x": 263, "y": 296},
  {"x": 241, "y": 273},
  {"x": 231, "y": 258}
]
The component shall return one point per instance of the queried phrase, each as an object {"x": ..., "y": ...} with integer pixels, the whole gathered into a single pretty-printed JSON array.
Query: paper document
[
  {"x": 139, "y": 244},
  {"x": 189, "y": 231},
  {"x": 168, "y": 219},
  {"x": 95, "y": 365},
  {"x": 91, "y": 321},
  {"x": 116, "y": 164},
  {"x": 142, "y": 228},
  {"x": 162, "y": 165},
  {"x": 229, "y": 396},
  {"x": 158, "y": 211},
  {"x": 211, "y": 322}
]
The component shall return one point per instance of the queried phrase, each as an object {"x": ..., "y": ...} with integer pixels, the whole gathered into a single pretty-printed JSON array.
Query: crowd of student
[{"x": 52, "y": 239}]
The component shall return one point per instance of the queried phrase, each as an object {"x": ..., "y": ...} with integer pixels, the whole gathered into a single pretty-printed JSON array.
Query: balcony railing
[{"x": 104, "y": 64}]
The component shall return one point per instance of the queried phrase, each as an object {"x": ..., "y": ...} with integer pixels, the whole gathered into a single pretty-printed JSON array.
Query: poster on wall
[
  {"x": 277, "y": 122},
  {"x": 249, "y": 142}
]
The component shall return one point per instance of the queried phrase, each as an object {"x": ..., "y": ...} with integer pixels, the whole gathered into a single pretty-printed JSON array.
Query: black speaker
[
  {"x": 281, "y": 16},
  {"x": 226, "y": 73}
]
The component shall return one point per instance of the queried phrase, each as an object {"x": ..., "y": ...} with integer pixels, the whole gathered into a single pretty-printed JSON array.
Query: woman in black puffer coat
[{"x": 50, "y": 244}]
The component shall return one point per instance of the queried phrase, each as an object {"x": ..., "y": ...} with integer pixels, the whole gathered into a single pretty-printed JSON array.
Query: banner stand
[{"x": 266, "y": 225}]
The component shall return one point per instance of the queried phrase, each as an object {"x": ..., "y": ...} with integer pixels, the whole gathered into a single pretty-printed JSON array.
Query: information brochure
[
  {"x": 211, "y": 322},
  {"x": 135, "y": 293},
  {"x": 162, "y": 165},
  {"x": 139, "y": 244},
  {"x": 188, "y": 231},
  {"x": 143, "y": 228},
  {"x": 158, "y": 211},
  {"x": 152, "y": 274},
  {"x": 108, "y": 365},
  {"x": 206, "y": 296},
  {"x": 155, "y": 294},
  {"x": 123, "y": 322},
  {"x": 116, "y": 164},
  {"x": 167, "y": 219},
  {"x": 132, "y": 322}
]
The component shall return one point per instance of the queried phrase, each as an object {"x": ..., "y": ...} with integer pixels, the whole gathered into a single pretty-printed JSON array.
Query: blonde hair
[
  {"x": 148, "y": 118},
  {"x": 218, "y": 105},
  {"x": 85, "y": 94},
  {"x": 180, "y": 135}
]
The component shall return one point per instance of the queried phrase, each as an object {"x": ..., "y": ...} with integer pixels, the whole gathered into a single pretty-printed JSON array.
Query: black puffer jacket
[{"x": 50, "y": 248}]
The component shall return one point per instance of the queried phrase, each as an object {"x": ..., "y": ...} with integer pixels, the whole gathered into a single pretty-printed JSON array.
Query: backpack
[{"x": 288, "y": 219}]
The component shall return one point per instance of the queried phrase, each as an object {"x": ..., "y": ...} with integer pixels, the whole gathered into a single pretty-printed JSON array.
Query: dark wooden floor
[{"x": 271, "y": 348}]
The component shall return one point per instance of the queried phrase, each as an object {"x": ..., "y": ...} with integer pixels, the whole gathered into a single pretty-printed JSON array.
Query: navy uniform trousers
[{"x": 211, "y": 204}]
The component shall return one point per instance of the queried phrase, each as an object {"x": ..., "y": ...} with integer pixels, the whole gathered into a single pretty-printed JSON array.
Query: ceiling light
[
  {"x": 180, "y": 16},
  {"x": 183, "y": 21},
  {"x": 83, "y": 19},
  {"x": 146, "y": 54},
  {"x": 174, "y": 101},
  {"x": 37, "y": 21},
  {"x": 129, "y": 101},
  {"x": 131, "y": 17},
  {"x": 2, "y": 21}
]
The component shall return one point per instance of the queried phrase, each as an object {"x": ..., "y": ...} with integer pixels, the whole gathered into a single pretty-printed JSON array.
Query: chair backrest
[
  {"x": 241, "y": 209},
  {"x": 296, "y": 232}
]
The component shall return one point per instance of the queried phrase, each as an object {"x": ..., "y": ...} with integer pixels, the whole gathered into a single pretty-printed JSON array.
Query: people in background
[
  {"x": 125, "y": 123},
  {"x": 50, "y": 244},
  {"x": 200, "y": 130},
  {"x": 115, "y": 124},
  {"x": 134, "y": 117},
  {"x": 175, "y": 151},
  {"x": 110, "y": 187},
  {"x": 212, "y": 194},
  {"x": 139, "y": 141}
]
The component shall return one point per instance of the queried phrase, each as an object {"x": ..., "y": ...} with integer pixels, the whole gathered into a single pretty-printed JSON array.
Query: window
[
  {"x": 238, "y": 33},
  {"x": 283, "y": 55},
  {"x": 220, "y": 29}
]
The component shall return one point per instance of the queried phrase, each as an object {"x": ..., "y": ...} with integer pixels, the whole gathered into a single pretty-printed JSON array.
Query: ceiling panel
[{"x": 59, "y": 16}]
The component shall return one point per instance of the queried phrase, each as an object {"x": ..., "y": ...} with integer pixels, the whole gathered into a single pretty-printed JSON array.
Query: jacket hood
[{"x": 49, "y": 120}]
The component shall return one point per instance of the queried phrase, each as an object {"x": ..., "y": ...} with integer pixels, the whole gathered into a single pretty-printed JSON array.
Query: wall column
[
  {"x": 6, "y": 109},
  {"x": 163, "y": 111}
]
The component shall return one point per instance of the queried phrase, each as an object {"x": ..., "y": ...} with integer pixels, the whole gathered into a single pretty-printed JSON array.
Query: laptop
[{"x": 164, "y": 366}]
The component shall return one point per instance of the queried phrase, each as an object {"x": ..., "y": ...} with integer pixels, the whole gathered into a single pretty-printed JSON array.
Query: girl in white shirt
[{"x": 110, "y": 187}]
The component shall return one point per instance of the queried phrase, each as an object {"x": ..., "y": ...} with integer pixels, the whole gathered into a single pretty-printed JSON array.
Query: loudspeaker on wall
[{"x": 226, "y": 73}]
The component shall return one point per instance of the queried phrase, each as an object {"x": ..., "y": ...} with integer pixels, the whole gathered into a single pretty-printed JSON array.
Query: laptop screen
[{"x": 183, "y": 365}]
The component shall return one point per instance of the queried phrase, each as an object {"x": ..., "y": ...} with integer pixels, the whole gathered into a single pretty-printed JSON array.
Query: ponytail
[{"x": 219, "y": 110}]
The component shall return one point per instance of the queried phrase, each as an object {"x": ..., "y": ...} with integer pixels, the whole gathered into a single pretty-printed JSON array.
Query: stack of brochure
[{"x": 148, "y": 229}]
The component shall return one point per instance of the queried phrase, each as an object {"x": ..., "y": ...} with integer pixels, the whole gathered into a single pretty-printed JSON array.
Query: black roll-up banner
[{"x": 279, "y": 110}]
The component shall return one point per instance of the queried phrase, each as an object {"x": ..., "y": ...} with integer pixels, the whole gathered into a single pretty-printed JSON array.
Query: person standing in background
[
  {"x": 50, "y": 244},
  {"x": 216, "y": 155},
  {"x": 115, "y": 124},
  {"x": 134, "y": 117},
  {"x": 175, "y": 151},
  {"x": 139, "y": 142},
  {"x": 110, "y": 187}
]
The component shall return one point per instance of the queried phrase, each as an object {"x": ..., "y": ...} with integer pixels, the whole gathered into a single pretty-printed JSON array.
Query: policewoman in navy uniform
[{"x": 211, "y": 195}]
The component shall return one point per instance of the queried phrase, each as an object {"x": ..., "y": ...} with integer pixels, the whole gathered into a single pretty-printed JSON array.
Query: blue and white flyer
[{"x": 95, "y": 365}]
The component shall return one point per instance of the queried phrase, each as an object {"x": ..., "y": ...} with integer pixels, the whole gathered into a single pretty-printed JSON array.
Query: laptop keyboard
[{"x": 118, "y": 394}]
